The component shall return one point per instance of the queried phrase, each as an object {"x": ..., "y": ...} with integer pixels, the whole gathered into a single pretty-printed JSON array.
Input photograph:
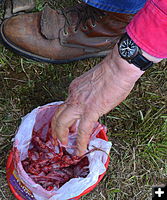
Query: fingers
[
  {"x": 54, "y": 119},
  {"x": 64, "y": 118},
  {"x": 85, "y": 129}
]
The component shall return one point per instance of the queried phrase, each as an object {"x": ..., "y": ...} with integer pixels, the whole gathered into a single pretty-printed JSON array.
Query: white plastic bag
[{"x": 40, "y": 117}]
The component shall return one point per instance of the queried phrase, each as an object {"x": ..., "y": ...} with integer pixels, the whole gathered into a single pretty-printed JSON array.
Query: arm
[
  {"x": 106, "y": 85},
  {"x": 93, "y": 94}
]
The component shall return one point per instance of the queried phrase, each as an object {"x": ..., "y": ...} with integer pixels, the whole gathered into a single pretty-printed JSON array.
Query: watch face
[{"x": 128, "y": 48}]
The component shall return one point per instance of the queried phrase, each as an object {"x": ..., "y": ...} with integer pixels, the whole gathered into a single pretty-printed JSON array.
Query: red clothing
[{"x": 148, "y": 29}]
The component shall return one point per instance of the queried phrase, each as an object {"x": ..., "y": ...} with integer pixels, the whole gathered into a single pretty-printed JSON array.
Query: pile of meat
[{"x": 51, "y": 169}]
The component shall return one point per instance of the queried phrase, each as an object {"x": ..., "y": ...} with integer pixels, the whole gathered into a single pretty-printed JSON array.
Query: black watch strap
[{"x": 141, "y": 62}]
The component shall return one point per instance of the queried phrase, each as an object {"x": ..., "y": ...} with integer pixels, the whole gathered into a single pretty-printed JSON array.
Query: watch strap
[{"x": 141, "y": 62}]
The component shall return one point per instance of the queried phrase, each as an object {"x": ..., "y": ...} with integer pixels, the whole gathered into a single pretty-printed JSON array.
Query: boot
[
  {"x": 23, "y": 5},
  {"x": 62, "y": 36},
  {"x": 15, "y": 6}
]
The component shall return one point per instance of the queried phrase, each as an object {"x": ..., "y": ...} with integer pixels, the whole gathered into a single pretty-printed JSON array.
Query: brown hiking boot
[
  {"x": 23, "y": 5},
  {"x": 62, "y": 36},
  {"x": 15, "y": 6}
]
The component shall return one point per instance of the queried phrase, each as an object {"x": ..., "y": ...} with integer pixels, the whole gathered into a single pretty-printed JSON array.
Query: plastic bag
[{"x": 40, "y": 118}]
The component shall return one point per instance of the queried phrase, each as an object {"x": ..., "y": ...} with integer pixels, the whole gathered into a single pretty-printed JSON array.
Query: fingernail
[
  {"x": 55, "y": 143},
  {"x": 64, "y": 142}
]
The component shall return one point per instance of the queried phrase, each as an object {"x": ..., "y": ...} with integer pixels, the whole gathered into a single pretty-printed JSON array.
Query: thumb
[
  {"x": 61, "y": 123},
  {"x": 85, "y": 129}
]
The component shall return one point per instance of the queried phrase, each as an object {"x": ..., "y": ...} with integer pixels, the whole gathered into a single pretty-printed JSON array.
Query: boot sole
[{"x": 37, "y": 58}]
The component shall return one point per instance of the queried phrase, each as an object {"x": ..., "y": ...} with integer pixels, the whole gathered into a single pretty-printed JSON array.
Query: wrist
[
  {"x": 125, "y": 69},
  {"x": 133, "y": 54}
]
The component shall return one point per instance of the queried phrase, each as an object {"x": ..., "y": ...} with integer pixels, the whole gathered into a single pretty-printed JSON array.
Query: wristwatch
[{"x": 129, "y": 51}]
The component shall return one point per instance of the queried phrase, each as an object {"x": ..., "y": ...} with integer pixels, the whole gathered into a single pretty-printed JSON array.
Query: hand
[{"x": 93, "y": 94}]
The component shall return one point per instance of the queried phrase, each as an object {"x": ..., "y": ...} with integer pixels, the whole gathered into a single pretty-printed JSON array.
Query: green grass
[{"x": 137, "y": 128}]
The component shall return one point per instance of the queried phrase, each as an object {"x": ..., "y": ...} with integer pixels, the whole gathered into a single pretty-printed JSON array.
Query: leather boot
[
  {"x": 62, "y": 36},
  {"x": 15, "y": 6},
  {"x": 23, "y": 5}
]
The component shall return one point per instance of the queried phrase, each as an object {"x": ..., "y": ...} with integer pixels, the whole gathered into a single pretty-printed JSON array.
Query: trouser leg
[{"x": 120, "y": 6}]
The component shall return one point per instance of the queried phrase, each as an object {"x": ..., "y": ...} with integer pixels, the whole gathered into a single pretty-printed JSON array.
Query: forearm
[{"x": 114, "y": 78}]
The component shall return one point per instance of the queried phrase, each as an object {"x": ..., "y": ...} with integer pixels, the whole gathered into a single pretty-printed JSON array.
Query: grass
[{"x": 137, "y": 127}]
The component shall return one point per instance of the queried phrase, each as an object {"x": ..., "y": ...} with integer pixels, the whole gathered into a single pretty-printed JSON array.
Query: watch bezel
[{"x": 123, "y": 39}]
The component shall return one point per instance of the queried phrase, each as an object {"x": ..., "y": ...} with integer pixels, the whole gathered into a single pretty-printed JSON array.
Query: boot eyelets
[
  {"x": 75, "y": 30},
  {"x": 65, "y": 33},
  {"x": 85, "y": 28},
  {"x": 93, "y": 25}
]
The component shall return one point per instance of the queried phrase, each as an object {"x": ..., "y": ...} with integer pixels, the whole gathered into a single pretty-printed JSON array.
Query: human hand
[{"x": 93, "y": 94}]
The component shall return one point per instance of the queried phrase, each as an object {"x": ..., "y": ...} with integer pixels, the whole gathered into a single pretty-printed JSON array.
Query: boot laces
[{"x": 84, "y": 13}]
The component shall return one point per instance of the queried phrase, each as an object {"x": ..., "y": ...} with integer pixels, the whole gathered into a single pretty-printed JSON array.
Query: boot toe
[
  {"x": 21, "y": 32},
  {"x": 23, "y": 35}
]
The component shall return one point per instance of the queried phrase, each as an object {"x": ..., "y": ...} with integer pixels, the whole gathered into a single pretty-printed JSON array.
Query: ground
[{"x": 137, "y": 127}]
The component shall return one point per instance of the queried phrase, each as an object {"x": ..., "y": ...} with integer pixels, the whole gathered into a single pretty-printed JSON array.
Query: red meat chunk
[{"x": 51, "y": 169}]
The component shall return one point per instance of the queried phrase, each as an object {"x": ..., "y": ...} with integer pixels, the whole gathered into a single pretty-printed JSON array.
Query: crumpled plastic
[{"x": 40, "y": 117}]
